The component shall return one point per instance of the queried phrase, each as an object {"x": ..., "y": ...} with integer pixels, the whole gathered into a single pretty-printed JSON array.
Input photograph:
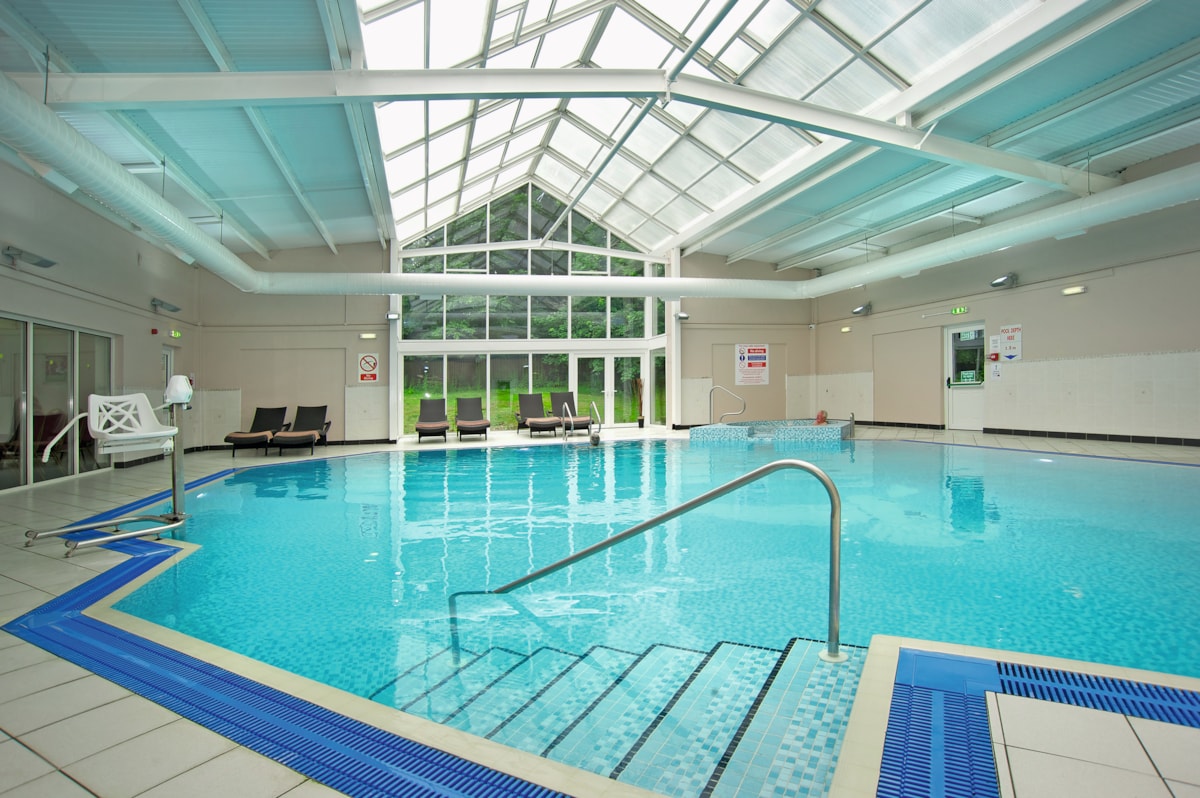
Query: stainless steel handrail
[
  {"x": 731, "y": 393},
  {"x": 599, "y": 423},
  {"x": 831, "y": 654}
]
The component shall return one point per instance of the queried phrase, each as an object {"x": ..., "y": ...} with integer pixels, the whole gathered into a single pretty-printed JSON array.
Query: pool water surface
[{"x": 1078, "y": 557}]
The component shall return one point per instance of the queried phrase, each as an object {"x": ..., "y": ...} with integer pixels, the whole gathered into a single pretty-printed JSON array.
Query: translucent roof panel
[{"x": 680, "y": 161}]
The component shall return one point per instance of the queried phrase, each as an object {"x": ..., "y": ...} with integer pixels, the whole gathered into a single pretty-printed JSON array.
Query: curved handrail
[
  {"x": 731, "y": 393},
  {"x": 831, "y": 654},
  {"x": 599, "y": 420}
]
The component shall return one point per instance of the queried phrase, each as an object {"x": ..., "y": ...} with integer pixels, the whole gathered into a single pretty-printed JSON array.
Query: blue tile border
[{"x": 340, "y": 752}]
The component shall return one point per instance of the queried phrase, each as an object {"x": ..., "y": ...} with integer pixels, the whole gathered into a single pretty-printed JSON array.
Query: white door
[
  {"x": 613, "y": 383},
  {"x": 965, "y": 367}
]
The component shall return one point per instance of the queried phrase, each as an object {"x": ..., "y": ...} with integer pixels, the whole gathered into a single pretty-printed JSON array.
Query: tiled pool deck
[{"x": 68, "y": 731}]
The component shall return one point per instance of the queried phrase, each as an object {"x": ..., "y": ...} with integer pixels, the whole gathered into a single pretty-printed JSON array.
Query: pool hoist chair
[{"x": 127, "y": 423}]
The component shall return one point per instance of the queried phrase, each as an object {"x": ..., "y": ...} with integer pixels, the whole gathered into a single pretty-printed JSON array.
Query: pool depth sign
[{"x": 750, "y": 365}]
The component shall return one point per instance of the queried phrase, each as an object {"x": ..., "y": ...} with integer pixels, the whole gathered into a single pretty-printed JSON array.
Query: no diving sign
[
  {"x": 750, "y": 365},
  {"x": 368, "y": 366}
]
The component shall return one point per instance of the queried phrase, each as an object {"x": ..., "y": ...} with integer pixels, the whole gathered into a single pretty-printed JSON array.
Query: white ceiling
[{"x": 801, "y": 133}]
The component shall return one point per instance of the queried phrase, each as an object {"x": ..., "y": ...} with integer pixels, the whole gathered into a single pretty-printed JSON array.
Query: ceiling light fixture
[
  {"x": 1004, "y": 281},
  {"x": 1074, "y": 290},
  {"x": 157, "y": 304},
  {"x": 27, "y": 257},
  {"x": 862, "y": 310}
]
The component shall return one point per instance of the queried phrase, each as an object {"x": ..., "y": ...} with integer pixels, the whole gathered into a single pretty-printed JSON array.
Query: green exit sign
[{"x": 959, "y": 310}]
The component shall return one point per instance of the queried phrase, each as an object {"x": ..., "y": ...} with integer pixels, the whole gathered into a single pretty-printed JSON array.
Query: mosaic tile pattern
[
  {"x": 536, "y": 725},
  {"x": 797, "y": 430},
  {"x": 688, "y": 739},
  {"x": 617, "y": 720},
  {"x": 510, "y": 691},
  {"x": 464, "y": 685},
  {"x": 790, "y": 746}
]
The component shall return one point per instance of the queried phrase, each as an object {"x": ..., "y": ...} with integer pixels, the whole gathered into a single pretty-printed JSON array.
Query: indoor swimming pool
[{"x": 342, "y": 570}]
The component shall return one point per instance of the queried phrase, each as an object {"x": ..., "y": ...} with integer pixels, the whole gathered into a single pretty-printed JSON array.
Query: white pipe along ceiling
[{"x": 36, "y": 132}]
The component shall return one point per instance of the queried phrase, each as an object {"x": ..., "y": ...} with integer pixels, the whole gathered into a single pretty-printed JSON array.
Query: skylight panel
[
  {"x": 683, "y": 113},
  {"x": 441, "y": 212},
  {"x": 455, "y": 32},
  {"x": 768, "y": 151},
  {"x": 650, "y": 139},
  {"x": 684, "y": 162},
  {"x": 651, "y": 235},
  {"x": 725, "y": 132},
  {"x": 856, "y": 88},
  {"x": 679, "y": 213},
  {"x": 534, "y": 107},
  {"x": 514, "y": 172},
  {"x": 520, "y": 145},
  {"x": 446, "y": 149},
  {"x": 555, "y": 174},
  {"x": 573, "y": 143},
  {"x": 623, "y": 217},
  {"x": 738, "y": 55},
  {"x": 628, "y": 44},
  {"x": 650, "y": 193},
  {"x": 445, "y": 184},
  {"x": 798, "y": 62},
  {"x": 407, "y": 228},
  {"x": 519, "y": 57},
  {"x": 773, "y": 19},
  {"x": 444, "y": 113},
  {"x": 475, "y": 193},
  {"x": 494, "y": 124},
  {"x": 481, "y": 163},
  {"x": 864, "y": 20},
  {"x": 620, "y": 173},
  {"x": 602, "y": 113},
  {"x": 563, "y": 46},
  {"x": 405, "y": 169},
  {"x": 596, "y": 200},
  {"x": 504, "y": 26},
  {"x": 728, "y": 28},
  {"x": 400, "y": 124},
  {"x": 717, "y": 187},
  {"x": 396, "y": 41},
  {"x": 940, "y": 32},
  {"x": 408, "y": 202}
]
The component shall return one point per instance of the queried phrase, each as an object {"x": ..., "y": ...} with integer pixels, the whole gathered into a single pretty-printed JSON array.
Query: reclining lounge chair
[
  {"x": 432, "y": 422},
  {"x": 267, "y": 422},
  {"x": 571, "y": 420},
  {"x": 531, "y": 414},
  {"x": 308, "y": 428},
  {"x": 469, "y": 419}
]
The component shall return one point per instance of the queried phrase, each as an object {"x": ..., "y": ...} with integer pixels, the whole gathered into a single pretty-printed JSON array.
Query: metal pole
[{"x": 178, "y": 483}]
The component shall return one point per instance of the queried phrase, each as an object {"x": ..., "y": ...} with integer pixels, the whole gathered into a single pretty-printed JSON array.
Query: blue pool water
[{"x": 341, "y": 569}]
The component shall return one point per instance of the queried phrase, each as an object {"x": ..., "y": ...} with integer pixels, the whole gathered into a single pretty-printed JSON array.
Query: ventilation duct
[{"x": 35, "y": 131}]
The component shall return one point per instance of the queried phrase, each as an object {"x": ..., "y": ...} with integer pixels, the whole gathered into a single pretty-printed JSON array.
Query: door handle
[{"x": 947, "y": 382}]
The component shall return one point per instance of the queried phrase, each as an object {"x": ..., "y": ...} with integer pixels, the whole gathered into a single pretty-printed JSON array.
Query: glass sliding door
[
  {"x": 590, "y": 387},
  {"x": 509, "y": 377},
  {"x": 95, "y": 376},
  {"x": 614, "y": 383},
  {"x": 52, "y": 401},
  {"x": 12, "y": 403}
]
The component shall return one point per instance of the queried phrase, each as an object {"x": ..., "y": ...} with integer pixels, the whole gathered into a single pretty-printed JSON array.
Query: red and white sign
[
  {"x": 751, "y": 364},
  {"x": 367, "y": 365}
]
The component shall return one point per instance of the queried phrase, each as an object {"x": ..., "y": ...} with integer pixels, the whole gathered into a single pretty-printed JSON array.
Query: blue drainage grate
[
  {"x": 937, "y": 741},
  {"x": 1141, "y": 700},
  {"x": 345, "y": 754}
]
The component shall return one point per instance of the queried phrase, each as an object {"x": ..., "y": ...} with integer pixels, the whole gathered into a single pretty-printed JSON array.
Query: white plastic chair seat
[{"x": 127, "y": 423}]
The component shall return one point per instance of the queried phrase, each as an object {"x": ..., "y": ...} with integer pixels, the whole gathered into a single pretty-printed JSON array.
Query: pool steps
[{"x": 679, "y": 721}]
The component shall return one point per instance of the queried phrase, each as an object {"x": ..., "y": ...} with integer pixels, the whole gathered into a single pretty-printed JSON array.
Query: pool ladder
[
  {"x": 831, "y": 653},
  {"x": 711, "y": 409}
]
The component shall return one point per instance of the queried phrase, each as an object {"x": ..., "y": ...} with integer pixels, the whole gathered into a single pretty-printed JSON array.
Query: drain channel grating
[
  {"x": 348, "y": 755},
  {"x": 1141, "y": 700}
]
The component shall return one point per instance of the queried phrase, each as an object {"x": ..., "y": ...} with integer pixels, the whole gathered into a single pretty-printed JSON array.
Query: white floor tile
[
  {"x": 238, "y": 772},
  {"x": 19, "y": 765},
  {"x": 134, "y": 766},
  {"x": 52, "y": 785},
  {"x": 82, "y": 735},
  {"x": 1174, "y": 749},
  {"x": 27, "y": 713},
  {"x": 1039, "y": 775},
  {"x": 35, "y": 678},
  {"x": 1067, "y": 731}
]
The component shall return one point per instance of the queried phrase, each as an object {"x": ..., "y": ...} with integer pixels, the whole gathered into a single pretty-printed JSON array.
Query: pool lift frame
[
  {"x": 832, "y": 653},
  {"x": 177, "y": 394}
]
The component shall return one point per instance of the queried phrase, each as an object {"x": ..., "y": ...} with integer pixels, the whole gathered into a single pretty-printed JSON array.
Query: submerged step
[
  {"x": 461, "y": 686},
  {"x": 679, "y": 752},
  {"x": 618, "y": 718},
  {"x": 794, "y": 731},
  {"x": 510, "y": 691},
  {"x": 416, "y": 680},
  {"x": 536, "y": 725}
]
